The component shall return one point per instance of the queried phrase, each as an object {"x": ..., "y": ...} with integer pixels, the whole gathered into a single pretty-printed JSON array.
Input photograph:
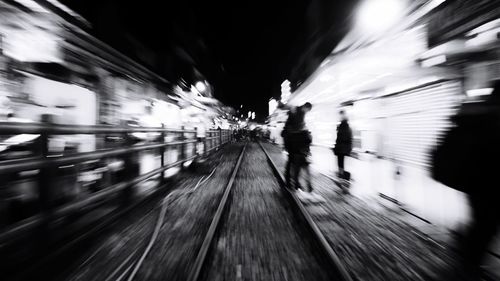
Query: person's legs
[
  {"x": 307, "y": 174},
  {"x": 340, "y": 162},
  {"x": 296, "y": 172},
  {"x": 288, "y": 172},
  {"x": 482, "y": 231}
]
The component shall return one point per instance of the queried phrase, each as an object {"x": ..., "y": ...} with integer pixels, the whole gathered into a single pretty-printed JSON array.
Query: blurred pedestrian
[
  {"x": 297, "y": 140},
  {"x": 200, "y": 138},
  {"x": 343, "y": 145},
  {"x": 235, "y": 134},
  {"x": 466, "y": 161}
]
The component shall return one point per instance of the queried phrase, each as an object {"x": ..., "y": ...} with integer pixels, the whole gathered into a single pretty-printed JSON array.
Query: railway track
[
  {"x": 120, "y": 255},
  {"x": 261, "y": 231},
  {"x": 262, "y": 228},
  {"x": 132, "y": 261},
  {"x": 130, "y": 266}
]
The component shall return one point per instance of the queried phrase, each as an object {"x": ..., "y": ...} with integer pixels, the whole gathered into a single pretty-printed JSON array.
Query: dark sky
[{"x": 245, "y": 49}]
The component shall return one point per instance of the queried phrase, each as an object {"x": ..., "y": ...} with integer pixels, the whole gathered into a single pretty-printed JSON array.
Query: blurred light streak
[
  {"x": 358, "y": 86},
  {"x": 484, "y": 38},
  {"x": 434, "y": 61},
  {"x": 485, "y": 27},
  {"x": 325, "y": 62},
  {"x": 32, "y": 5},
  {"x": 479, "y": 92}
]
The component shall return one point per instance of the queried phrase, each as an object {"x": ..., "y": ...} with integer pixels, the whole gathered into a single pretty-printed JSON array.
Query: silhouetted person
[
  {"x": 343, "y": 144},
  {"x": 200, "y": 139},
  {"x": 468, "y": 161},
  {"x": 297, "y": 140}
]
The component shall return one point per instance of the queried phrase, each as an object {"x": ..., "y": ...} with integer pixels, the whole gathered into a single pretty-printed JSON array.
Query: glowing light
[
  {"x": 285, "y": 91},
  {"x": 200, "y": 86},
  {"x": 273, "y": 104},
  {"x": 479, "y": 92},
  {"x": 375, "y": 16}
]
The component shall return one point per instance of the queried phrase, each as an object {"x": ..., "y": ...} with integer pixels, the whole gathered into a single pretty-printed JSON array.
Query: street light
[
  {"x": 200, "y": 86},
  {"x": 376, "y": 16}
]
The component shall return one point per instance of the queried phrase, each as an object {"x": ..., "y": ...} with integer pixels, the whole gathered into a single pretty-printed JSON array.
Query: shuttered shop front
[{"x": 417, "y": 119}]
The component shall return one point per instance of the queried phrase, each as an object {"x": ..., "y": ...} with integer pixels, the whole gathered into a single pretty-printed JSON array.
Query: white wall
[{"x": 49, "y": 94}]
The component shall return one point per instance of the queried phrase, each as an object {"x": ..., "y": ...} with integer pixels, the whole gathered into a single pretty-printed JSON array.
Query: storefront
[
  {"x": 398, "y": 106},
  {"x": 357, "y": 81}
]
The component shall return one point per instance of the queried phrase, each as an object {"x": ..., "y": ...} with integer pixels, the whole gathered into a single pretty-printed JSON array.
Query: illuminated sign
[
  {"x": 285, "y": 91},
  {"x": 273, "y": 104}
]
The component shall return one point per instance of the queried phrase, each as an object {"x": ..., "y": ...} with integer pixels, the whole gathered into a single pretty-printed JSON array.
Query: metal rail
[
  {"x": 138, "y": 261},
  {"x": 47, "y": 164},
  {"x": 37, "y": 163},
  {"x": 318, "y": 235},
  {"x": 202, "y": 254},
  {"x": 7, "y": 128},
  {"x": 35, "y": 221}
]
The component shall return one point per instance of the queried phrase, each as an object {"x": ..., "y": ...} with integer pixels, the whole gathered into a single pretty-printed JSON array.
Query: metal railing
[{"x": 45, "y": 164}]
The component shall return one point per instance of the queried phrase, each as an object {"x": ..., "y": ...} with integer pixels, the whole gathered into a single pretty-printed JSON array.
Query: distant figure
[
  {"x": 235, "y": 135},
  {"x": 467, "y": 160},
  {"x": 297, "y": 140},
  {"x": 343, "y": 144},
  {"x": 253, "y": 135},
  {"x": 200, "y": 139}
]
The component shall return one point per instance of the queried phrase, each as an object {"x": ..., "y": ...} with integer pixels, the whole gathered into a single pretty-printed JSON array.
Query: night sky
[{"x": 245, "y": 49}]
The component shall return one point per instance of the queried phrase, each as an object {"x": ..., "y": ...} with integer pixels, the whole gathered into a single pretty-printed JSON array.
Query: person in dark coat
[
  {"x": 297, "y": 140},
  {"x": 298, "y": 157},
  {"x": 343, "y": 144},
  {"x": 467, "y": 161},
  {"x": 482, "y": 122}
]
